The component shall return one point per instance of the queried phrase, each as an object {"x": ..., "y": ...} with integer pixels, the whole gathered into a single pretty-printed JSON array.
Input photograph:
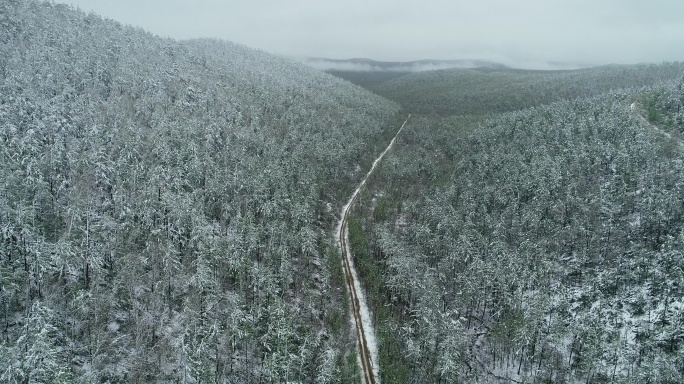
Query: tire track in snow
[{"x": 367, "y": 347}]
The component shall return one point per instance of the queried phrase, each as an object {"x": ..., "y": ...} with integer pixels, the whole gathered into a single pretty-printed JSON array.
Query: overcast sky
[{"x": 515, "y": 32}]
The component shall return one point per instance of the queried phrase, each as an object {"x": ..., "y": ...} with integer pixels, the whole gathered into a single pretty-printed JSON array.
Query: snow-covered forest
[
  {"x": 166, "y": 206},
  {"x": 485, "y": 91},
  {"x": 541, "y": 245},
  {"x": 168, "y": 214}
]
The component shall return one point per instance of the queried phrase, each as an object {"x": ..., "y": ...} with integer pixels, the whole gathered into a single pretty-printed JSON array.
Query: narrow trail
[
  {"x": 361, "y": 321},
  {"x": 639, "y": 110}
]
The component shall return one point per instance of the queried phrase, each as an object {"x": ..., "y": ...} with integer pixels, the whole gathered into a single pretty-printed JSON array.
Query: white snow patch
[{"x": 113, "y": 326}]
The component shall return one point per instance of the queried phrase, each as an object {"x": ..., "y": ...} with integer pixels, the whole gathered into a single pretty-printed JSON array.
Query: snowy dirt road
[{"x": 360, "y": 315}]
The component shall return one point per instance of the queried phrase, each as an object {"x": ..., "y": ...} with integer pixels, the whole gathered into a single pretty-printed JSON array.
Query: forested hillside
[
  {"x": 539, "y": 245},
  {"x": 495, "y": 90},
  {"x": 165, "y": 206},
  {"x": 664, "y": 107}
]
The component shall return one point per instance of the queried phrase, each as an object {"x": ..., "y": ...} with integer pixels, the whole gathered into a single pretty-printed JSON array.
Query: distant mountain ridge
[
  {"x": 370, "y": 65},
  {"x": 483, "y": 90},
  {"x": 370, "y": 73}
]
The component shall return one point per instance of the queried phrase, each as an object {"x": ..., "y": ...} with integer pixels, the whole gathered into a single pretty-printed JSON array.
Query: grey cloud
[{"x": 521, "y": 32}]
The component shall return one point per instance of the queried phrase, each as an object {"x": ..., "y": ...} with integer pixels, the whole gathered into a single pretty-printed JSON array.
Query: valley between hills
[{"x": 194, "y": 211}]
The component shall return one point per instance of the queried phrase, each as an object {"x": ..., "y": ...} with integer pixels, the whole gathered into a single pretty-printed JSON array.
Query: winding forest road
[{"x": 367, "y": 347}]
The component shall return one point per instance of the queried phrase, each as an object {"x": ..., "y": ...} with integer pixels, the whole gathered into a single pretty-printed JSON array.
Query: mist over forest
[{"x": 172, "y": 211}]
